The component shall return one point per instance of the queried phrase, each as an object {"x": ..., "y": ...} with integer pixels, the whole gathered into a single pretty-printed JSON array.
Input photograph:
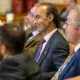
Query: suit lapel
[
  {"x": 28, "y": 43},
  {"x": 69, "y": 65},
  {"x": 47, "y": 47},
  {"x": 37, "y": 38}
]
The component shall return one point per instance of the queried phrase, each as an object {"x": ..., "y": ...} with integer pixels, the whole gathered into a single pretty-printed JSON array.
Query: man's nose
[{"x": 35, "y": 21}]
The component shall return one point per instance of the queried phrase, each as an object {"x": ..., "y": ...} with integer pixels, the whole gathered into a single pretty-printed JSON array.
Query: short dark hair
[
  {"x": 13, "y": 37},
  {"x": 51, "y": 9}
]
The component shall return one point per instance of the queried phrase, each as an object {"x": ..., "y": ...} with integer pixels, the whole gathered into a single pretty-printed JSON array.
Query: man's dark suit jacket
[
  {"x": 53, "y": 55},
  {"x": 19, "y": 67},
  {"x": 72, "y": 69}
]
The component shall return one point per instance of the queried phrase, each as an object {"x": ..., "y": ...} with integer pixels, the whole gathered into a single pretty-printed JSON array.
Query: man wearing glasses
[
  {"x": 72, "y": 32},
  {"x": 33, "y": 36}
]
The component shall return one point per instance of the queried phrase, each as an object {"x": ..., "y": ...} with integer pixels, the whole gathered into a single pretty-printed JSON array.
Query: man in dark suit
[
  {"x": 15, "y": 65},
  {"x": 72, "y": 32},
  {"x": 33, "y": 36},
  {"x": 55, "y": 48}
]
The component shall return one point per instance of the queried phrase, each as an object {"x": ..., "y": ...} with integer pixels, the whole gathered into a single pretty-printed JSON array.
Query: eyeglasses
[
  {"x": 69, "y": 23},
  {"x": 31, "y": 14}
]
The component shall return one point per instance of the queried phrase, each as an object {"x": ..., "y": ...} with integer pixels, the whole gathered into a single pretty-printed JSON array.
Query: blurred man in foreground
[{"x": 14, "y": 64}]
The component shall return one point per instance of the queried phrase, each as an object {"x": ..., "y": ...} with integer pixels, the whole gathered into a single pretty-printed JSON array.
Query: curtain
[{"x": 22, "y": 6}]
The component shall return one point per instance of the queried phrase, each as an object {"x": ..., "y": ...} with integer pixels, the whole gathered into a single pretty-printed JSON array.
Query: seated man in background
[
  {"x": 14, "y": 64},
  {"x": 65, "y": 11},
  {"x": 33, "y": 36}
]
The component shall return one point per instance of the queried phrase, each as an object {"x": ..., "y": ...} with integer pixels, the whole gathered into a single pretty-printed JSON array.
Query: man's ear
[
  {"x": 3, "y": 49},
  {"x": 50, "y": 17}
]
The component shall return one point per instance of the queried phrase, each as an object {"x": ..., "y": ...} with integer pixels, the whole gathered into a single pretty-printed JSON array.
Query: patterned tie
[{"x": 39, "y": 49}]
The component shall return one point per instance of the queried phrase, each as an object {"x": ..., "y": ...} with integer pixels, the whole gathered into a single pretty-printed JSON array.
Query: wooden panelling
[
  {"x": 60, "y": 6},
  {"x": 18, "y": 18}
]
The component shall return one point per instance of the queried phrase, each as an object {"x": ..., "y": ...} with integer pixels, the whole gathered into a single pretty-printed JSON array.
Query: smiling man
[{"x": 53, "y": 51}]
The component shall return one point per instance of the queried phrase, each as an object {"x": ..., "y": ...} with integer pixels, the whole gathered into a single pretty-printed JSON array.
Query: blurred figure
[
  {"x": 72, "y": 32},
  {"x": 14, "y": 64},
  {"x": 53, "y": 48},
  {"x": 65, "y": 11},
  {"x": 33, "y": 36}
]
